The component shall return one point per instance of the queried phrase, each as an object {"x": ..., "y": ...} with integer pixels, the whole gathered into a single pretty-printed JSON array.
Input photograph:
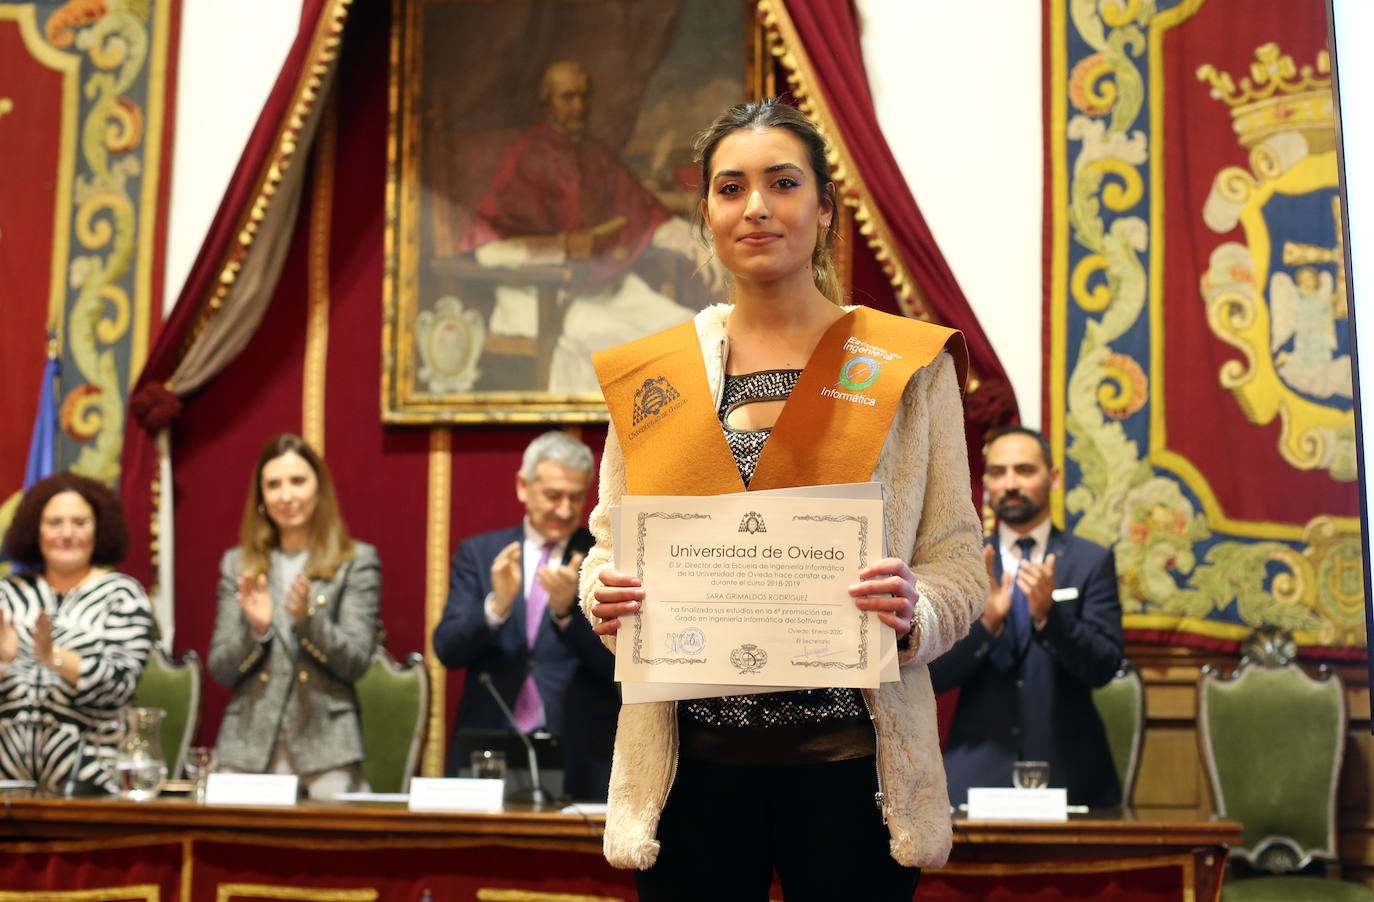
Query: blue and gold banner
[
  {"x": 1199, "y": 382},
  {"x": 84, "y": 87}
]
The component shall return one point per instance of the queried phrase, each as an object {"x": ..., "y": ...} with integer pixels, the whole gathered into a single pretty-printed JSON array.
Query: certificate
[{"x": 750, "y": 589}]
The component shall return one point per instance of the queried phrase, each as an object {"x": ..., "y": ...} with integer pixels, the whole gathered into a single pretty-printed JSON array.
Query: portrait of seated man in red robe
[{"x": 561, "y": 200}]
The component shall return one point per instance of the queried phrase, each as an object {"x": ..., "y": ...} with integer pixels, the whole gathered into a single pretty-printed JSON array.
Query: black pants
[{"x": 726, "y": 828}]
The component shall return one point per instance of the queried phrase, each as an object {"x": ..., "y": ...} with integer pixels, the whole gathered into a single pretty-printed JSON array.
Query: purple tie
[{"x": 528, "y": 710}]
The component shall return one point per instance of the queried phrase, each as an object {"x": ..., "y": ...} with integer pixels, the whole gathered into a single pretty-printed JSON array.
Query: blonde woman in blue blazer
[{"x": 296, "y": 625}]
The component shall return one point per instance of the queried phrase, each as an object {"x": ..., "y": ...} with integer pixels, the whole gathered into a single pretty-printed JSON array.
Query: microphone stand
[{"x": 537, "y": 787}]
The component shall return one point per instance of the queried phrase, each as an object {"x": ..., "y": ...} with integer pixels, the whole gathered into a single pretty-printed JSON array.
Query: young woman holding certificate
[{"x": 840, "y": 790}]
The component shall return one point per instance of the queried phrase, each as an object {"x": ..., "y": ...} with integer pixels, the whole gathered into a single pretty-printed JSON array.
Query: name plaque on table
[
  {"x": 456, "y": 794},
  {"x": 251, "y": 789},
  {"x": 1008, "y": 804}
]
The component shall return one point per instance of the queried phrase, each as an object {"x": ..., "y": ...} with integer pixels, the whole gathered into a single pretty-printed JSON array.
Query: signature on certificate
[{"x": 815, "y": 648}]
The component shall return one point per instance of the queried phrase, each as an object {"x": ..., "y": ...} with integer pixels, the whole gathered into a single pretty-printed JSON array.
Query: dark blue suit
[
  {"x": 574, "y": 671},
  {"x": 1035, "y": 703}
]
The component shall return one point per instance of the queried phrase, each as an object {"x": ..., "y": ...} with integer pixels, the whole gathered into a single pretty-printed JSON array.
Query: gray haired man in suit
[{"x": 512, "y": 621}]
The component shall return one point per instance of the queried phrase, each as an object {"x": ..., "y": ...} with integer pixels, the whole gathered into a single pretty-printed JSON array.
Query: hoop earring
[{"x": 262, "y": 508}]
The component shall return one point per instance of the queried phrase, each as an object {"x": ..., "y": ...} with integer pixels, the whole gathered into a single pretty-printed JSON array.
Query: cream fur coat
[{"x": 931, "y": 522}]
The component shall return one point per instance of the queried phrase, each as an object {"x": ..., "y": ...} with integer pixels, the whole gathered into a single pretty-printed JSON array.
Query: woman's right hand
[
  {"x": 256, "y": 603},
  {"x": 9, "y": 638},
  {"x": 617, "y": 595}
]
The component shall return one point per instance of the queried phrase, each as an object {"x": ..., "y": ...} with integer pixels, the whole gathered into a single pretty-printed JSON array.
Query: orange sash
[{"x": 830, "y": 430}]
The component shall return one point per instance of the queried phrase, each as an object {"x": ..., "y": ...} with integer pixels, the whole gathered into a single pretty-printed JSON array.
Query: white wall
[
  {"x": 230, "y": 54},
  {"x": 967, "y": 136},
  {"x": 1354, "y": 27}
]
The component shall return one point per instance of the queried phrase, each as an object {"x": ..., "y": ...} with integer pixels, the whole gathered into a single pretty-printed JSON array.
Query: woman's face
[
  {"x": 289, "y": 492},
  {"x": 763, "y": 205},
  {"x": 66, "y": 534}
]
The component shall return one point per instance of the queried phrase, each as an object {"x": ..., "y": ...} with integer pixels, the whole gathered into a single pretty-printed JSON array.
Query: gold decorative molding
[
  {"x": 318, "y": 288},
  {"x": 146, "y": 892},
  {"x": 320, "y": 60},
  {"x": 227, "y": 892},
  {"x": 487, "y": 894},
  {"x": 436, "y": 590}
]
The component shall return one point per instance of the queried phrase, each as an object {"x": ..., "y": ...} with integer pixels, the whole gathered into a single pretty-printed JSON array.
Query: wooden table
[
  {"x": 382, "y": 851},
  {"x": 1102, "y": 842}
]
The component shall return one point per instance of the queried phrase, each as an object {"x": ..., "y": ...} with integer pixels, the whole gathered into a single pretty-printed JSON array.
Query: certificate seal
[
  {"x": 748, "y": 658},
  {"x": 691, "y": 641}
]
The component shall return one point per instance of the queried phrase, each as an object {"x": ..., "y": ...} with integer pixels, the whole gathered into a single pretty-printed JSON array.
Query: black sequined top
[{"x": 799, "y": 727}]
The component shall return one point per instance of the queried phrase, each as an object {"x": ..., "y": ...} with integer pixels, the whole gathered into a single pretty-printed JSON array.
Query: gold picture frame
[{"x": 539, "y": 194}]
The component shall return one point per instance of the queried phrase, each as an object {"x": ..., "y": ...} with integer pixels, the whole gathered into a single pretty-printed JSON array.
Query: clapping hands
[{"x": 257, "y": 604}]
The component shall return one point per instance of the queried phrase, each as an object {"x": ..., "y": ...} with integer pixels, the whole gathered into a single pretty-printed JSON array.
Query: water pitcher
[{"x": 139, "y": 764}]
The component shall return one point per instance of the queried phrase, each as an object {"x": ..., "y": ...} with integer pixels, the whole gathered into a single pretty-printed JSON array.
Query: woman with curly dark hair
[{"x": 74, "y": 633}]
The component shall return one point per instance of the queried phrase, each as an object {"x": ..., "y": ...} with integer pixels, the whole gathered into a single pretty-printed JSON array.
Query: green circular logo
[{"x": 858, "y": 373}]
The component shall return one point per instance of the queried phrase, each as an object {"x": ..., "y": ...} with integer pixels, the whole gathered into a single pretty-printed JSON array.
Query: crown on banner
[{"x": 1277, "y": 96}]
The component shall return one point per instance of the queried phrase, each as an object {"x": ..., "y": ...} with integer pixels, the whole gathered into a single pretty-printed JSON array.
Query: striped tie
[{"x": 529, "y": 709}]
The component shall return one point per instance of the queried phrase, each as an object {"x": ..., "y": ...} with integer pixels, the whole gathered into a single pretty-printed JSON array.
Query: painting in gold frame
[{"x": 540, "y": 189}]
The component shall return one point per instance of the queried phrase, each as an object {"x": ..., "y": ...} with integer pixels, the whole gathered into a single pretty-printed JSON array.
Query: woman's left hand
[
  {"x": 297, "y": 602},
  {"x": 888, "y": 588},
  {"x": 617, "y": 595}
]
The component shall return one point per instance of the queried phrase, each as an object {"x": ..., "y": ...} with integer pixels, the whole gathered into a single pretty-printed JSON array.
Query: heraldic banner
[
  {"x": 84, "y": 128},
  {"x": 1199, "y": 383}
]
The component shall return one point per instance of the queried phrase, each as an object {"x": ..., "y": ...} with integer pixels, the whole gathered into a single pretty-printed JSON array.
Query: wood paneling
[{"x": 1171, "y": 770}]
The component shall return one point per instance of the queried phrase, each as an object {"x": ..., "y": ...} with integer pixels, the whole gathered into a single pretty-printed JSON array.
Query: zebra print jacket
[{"x": 48, "y": 726}]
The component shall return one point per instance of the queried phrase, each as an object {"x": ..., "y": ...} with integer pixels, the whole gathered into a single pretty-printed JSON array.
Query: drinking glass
[
  {"x": 1030, "y": 774},
  {"x": 142, "y": 769},
  {"x": 200, "y": 764},
  {"x": 489, "y": 764}
]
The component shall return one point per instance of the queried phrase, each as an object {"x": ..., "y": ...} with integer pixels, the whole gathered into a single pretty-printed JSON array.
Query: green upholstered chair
[
  {"x": 1121, "y": 705},
  {"x": 393, "y": 704},
  {"x": 178, "y": 688},
  {"x": 1272, "y": 739}
]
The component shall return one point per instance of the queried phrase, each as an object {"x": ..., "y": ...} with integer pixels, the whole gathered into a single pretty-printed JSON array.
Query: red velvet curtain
[
  {"x": 151, "y": 409},
  {"x": 829, "y": 33}
]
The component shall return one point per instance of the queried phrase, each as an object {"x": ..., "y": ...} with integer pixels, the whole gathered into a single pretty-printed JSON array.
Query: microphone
[{"x": 537, "y": 788}]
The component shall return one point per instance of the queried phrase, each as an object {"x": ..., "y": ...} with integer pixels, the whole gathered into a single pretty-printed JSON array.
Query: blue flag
[{"x": 43, "y": 444}]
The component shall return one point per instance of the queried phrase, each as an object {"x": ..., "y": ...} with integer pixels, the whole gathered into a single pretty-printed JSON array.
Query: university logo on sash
[
  {"x": 860, "y": 371},
  {"x": 653, "y": 398}
]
